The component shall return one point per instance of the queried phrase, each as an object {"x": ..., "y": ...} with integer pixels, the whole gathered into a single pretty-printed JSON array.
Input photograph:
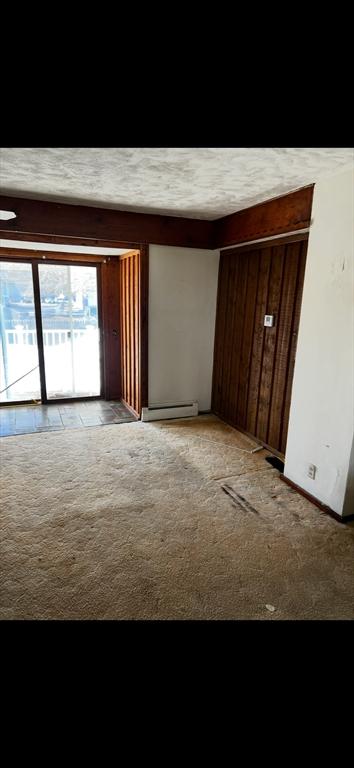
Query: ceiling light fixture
[{"x": 6, "y": 215}]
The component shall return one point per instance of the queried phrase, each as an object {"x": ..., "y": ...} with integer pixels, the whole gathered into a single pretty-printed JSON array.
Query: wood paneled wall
[
  {"x": 110, "y": 293},
  {"x": 131, "y": 329},
  {"x": 253, "y": 364}
]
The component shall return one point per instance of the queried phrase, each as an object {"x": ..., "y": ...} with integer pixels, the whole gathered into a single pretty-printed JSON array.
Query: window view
[
  {"x": 19, "y": 371},
  {"x": 68, "y": 302},
  {"x": 70, "y": 330}
]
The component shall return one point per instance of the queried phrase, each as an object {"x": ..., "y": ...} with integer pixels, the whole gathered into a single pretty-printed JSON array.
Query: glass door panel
[
  {"x": 68, "y": 296},
  {"x": 19, "y": 365}
]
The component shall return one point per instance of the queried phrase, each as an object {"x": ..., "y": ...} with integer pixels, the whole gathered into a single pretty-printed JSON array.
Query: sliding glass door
[
  {"x": 50, "y": 338},
  {"x": 19, "y": 363},
  {"x": 69, "y": 312}
]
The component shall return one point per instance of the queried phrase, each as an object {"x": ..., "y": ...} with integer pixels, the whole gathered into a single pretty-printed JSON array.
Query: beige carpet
[{"x": 131, "y": 522}]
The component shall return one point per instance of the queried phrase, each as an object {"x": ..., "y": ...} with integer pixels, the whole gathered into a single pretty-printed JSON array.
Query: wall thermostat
[{"x": 269, "y": 320}]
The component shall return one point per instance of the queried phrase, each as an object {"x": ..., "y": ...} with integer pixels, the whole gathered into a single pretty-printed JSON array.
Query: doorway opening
[
  {"x": 50, "y": 332},
  {"x": 73, "y": 327}
]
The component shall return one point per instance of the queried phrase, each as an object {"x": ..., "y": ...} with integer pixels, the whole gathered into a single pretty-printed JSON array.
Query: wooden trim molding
[
  {"x": 65, "y": 240},
  {"x": 254, "y": 246},
  {"x": 273, "y": 217},
  {"x": 316, "y": 502},
  {"x": 27, "y": 254}
]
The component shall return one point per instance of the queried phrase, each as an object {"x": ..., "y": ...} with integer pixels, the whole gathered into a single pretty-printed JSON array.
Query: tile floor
[{"x": 26, "y": 419}]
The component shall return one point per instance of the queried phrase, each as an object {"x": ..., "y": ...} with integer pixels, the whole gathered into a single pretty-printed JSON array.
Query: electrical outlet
[{"x": 311, "y": 471}]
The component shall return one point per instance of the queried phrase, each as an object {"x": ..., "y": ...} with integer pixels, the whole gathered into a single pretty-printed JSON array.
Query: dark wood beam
[
  {"x": 39, "y": 218},
  {"x": 83, "y": 225},
  {"x": 273, "y": 217}
]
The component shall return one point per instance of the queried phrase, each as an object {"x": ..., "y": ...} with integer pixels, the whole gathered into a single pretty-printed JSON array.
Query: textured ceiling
[{"x": 197, "y": 183}]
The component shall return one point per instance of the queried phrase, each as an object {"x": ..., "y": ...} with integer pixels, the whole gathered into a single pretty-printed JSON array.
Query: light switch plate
[{"x": 269, "y": 320}]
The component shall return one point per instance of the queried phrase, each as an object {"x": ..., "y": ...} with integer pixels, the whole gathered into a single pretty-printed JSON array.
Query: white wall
[
  {"x": 182, "y": 307},
  {"x": 321, "y": 421}
]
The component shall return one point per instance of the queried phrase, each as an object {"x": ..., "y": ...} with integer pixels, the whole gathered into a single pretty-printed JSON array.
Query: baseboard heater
[{"x": 159, "y": 412}]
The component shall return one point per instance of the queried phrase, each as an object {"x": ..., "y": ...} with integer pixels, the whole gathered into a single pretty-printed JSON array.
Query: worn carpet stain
[
  {"x": 132, "y": 521},
  {"x": 240, "y": 500}
]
